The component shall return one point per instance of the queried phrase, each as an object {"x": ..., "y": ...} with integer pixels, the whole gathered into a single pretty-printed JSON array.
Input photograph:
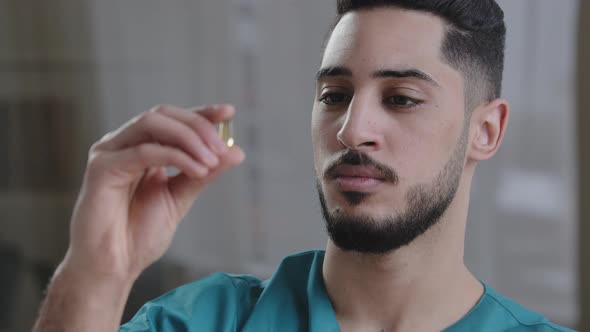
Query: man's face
[{"x": 387, "y": 129}]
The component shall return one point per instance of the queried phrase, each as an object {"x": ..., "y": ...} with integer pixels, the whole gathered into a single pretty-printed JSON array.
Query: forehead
[{"x": 386, "y": 37}]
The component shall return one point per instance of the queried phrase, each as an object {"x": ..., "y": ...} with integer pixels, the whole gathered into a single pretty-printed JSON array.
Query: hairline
[{"x": 474, "y": 89}]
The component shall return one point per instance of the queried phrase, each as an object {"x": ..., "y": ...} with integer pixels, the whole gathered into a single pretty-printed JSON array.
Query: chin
[
  {"x": 355, "y": 203},
  {"x": 363, "y": 209}
]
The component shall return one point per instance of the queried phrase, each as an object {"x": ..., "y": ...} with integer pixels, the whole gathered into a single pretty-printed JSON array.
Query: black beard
[
  {"x": 352, "y": 197},
  {"x": 426, "y": 204}
]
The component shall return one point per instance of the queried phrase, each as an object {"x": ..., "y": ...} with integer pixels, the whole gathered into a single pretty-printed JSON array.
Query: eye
[
  {"x": 334, "y": 98},
  {"x": 401, "y": 101}
]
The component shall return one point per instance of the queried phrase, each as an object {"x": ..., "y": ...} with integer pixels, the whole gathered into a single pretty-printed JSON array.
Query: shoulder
[
  {"x": 212, "y": 288},
  {"x": 221, "y": 300},
  {"x": 515, "y": 317},
  {"x": 305, "y": 261}
]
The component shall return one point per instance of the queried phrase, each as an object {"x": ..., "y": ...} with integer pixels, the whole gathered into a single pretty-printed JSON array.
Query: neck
[{"x": 424, "y": 286}]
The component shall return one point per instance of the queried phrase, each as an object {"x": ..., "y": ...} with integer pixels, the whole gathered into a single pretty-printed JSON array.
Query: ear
[{"x": 488, "y": 123}]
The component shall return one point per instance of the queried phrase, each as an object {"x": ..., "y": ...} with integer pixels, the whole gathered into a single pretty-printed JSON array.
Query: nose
[{"x": 360, "y": 128}]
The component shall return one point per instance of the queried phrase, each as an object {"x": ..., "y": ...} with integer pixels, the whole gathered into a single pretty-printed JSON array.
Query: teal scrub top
[{"x": 295, "y": 299}]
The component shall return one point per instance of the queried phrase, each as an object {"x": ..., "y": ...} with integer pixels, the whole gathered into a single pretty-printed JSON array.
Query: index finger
[{"x": 216, "y": 113}]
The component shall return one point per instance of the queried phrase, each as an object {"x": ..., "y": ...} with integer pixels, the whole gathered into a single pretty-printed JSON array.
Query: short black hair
[{"x": 474, "y": 42}]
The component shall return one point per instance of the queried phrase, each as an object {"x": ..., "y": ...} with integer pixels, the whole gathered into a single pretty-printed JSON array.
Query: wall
[
  {"x": 48, "y": 118},
  {"x": 584, "y": 161},
  {"x": 521, "y": 236},
  {"x": 115, "y": 59}
]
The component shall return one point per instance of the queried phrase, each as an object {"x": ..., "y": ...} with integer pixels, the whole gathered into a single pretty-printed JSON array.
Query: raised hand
[{"x": 129, "y": 208}]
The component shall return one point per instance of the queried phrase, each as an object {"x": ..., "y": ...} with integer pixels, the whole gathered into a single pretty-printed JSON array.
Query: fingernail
[
  {"x": 211, "y": 159},
  {"x": 230, "y": 106},
  {"x": 200, "y": 170}
]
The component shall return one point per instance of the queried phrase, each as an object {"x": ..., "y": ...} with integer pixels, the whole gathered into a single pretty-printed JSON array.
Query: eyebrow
[
  {"x": 332, "y": 71},
  {"x": 384, "y": 73}
]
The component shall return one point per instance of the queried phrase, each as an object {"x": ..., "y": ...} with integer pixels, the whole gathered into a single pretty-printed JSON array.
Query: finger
[
  {"x": 198, "y": 123},
  {"x": 134, "y": 161},
  {"x": 159, "y": 174},
  {"x": 185, "y": 189},
  {"x": 234, "y": 157},
  {"x": 154, "y": 127},
  {"x": 216, "y": 113}
]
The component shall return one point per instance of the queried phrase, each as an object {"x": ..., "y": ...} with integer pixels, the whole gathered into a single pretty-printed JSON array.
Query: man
[{"x": 407, "y": 103}]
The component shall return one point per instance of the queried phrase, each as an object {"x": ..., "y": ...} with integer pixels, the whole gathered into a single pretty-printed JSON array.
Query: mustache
[{"x": 357, "y": 158}]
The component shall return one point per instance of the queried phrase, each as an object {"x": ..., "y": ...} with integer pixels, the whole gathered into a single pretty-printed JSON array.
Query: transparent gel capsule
[{"x": 225, "y": 130}]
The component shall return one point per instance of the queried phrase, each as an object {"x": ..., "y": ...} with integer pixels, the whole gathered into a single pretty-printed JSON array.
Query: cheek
[
  {"x": 324, "y": 130},
  {"x": 318, "y": 139},
  {"x": 424, "y": 146},
  {"x": 315, "y": 127}
]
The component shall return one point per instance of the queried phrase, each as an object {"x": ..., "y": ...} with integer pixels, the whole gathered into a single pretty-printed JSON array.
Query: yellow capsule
[{"x": 225, "y": 130}]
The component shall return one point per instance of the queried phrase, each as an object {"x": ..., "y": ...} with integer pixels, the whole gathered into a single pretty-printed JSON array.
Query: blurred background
[{"x": 72, "y": 70}]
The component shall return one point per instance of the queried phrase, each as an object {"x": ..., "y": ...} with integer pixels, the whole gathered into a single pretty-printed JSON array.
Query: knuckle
[
  {"x": 102, "y": 142},
  {"x": 147, "y": 119},
  {"x": 134, "y": 119},
  {"x": 96, "y": 162},
  {"x": 95, "y": 147},
  {"x": 142, "y": 151},
  {"x": 160, "y": 108},
  {"x": 198, "y": 119},
  {"x": 201, "y": 123}
]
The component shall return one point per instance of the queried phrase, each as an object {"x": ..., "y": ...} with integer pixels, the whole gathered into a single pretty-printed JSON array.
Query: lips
[
  {"x": 357, "y": 171},
  {"x": 357, "y": 178}
]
